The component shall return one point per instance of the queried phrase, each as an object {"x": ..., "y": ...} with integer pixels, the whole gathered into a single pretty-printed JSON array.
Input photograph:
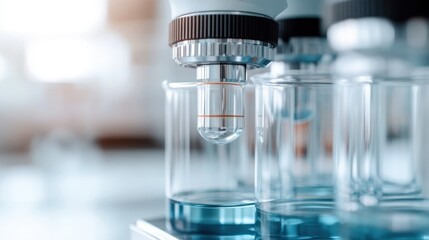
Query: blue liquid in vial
[
  {"x": 381, "y": 224},
  {"x": 213, "y": 212},
  {"x": 308, "y": 222},
  {"x": 371, "y": 233}
]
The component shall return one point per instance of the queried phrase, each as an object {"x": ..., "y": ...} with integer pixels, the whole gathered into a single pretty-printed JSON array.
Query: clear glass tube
[
  {"x": 220, "y": 111},
  {"x": 294, "y": 163},
  {"x": 220, "y": 102},
  {"x": 382, "y": 187},
  {"x": 381, "y": 100},
  {"x": 210, "y": 186}
]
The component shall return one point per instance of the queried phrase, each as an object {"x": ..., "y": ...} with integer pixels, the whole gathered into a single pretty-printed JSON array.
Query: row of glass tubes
[{"x": 335, "y": 145}]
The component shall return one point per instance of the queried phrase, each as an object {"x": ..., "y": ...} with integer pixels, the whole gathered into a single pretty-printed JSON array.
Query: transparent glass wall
[
  {"x": 380, "y": 141},
  {"x": 210, "y": 186},
  {"x": 294, "y": 170}
]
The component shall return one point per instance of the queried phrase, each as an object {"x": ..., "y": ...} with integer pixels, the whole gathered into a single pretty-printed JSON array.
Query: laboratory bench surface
[{"x": 95, "y": 198}]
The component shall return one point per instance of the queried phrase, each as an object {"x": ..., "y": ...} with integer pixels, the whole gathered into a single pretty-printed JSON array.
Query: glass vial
[
  {"x": 220, "y": 102},
  {"x": 381, "y": 97},
  {"x": 294, "y": 161},
  {"x": 294, "y": 171},
  {"x": 210, "y": 186}
]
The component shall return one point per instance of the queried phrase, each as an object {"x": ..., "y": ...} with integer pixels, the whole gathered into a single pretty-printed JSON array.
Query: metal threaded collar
[{"x": 227, "y": 51}]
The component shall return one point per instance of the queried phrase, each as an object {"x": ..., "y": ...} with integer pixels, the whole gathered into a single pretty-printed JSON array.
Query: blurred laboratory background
[{"x": 82, "y": 116}]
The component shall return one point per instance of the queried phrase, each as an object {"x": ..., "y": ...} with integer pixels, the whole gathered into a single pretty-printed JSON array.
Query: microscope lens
[{"x": 220, "y": 111}]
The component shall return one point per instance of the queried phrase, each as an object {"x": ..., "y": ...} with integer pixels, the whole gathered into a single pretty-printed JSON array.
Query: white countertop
[{"x": 98, "y": 200}]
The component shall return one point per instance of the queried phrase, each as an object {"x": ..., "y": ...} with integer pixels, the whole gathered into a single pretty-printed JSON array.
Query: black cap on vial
[
  {"x": 299, "y": 27},
  {"x": 397, "y": 11}
]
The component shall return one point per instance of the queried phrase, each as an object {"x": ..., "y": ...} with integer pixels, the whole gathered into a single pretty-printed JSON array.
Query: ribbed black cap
[
  {"x": 223, "y": 26},
  {"x": 299, "y": 27},
  {"x": 394, "y": 10}
]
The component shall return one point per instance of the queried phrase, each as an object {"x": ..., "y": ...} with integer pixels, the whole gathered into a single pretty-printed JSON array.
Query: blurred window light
[
  {"x": 41, "y": 17},
  {"x": 62, "y": 59},
  {"x": 5, "y": 69}
]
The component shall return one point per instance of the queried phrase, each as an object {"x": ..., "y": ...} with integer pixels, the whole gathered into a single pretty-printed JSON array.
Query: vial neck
[{"x": 221, "y": 73}]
